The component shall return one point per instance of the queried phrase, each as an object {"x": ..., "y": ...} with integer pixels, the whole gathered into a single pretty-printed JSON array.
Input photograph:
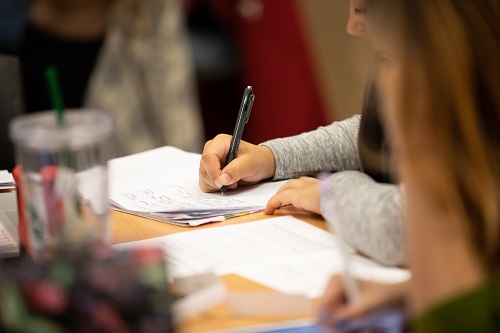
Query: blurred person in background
[
  {"x": 129, "y": 58},
  {"x": 440, "y": 90},
  {"x": 355, "y": 150}
]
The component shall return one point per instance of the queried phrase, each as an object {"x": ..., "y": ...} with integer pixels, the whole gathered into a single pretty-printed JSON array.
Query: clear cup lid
[{"x": 40, "y": 130}]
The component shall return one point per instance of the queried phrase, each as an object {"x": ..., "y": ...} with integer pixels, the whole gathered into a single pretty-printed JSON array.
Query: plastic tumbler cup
[{"x": 64, "y": 180}]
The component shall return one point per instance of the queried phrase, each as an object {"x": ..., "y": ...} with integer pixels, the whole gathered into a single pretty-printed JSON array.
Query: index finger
[
  {"x": 214, "y": 152},
  {"x": 212, "y": 165}
]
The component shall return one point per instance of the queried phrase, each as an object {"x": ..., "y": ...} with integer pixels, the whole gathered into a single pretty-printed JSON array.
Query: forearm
[
  {"x": 330, "y": 148},
  {"x": 367, "y": 215}
]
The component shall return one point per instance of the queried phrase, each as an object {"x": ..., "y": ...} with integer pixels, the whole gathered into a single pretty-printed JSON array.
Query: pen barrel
[
  {"x": 243, "y": 115},
  {"x": 232, "y": 155}
]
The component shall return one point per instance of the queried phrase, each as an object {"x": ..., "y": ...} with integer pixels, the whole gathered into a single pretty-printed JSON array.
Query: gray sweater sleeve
[
  {"x": 367, "y": 215},
  {"x": 330, "y": 148}
]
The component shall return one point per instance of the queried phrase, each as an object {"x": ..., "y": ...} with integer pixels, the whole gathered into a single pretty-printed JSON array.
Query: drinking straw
[
  {"x": 56, "y": 97},
  {"x": 52, "y": 78}
]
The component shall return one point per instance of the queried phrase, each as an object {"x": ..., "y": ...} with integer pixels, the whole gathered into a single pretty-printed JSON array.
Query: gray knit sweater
[{"x": 367, "y": 214}]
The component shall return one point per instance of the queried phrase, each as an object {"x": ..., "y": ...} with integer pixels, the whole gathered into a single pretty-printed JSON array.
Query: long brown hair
[{"x": 451, "y": 50}]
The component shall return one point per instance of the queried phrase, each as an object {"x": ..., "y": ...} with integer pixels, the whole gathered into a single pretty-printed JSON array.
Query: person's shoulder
[{"x": 477, "y": 310}]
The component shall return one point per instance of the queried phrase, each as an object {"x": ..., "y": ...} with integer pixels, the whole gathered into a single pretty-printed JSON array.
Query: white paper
[
  {"x": 307, "y": 274},
  {"x": 201, "y": 292},
  {"x": 163, "y": 184},
  {"x": 224, "y": 249},
  {"x": 6, "y": 180},
  {"x": 7, "y": 242},
  {"x": 91, "y": 187},
  {"x": 191, "y": 284},
  {"x": 283, "y": 253}
]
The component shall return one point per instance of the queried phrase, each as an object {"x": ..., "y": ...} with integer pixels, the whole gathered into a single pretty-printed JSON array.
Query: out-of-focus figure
[{"x": 129, "y": 58}]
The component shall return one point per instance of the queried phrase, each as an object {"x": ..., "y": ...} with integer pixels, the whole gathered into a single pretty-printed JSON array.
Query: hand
[
  {"x": 372, "y": 297},
  {"x": 252, "y": 164},
  {"x": 301, "y": 193}
]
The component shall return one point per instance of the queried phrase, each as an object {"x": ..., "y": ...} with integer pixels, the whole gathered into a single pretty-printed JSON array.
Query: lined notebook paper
[{"x": 162, "y": 184}]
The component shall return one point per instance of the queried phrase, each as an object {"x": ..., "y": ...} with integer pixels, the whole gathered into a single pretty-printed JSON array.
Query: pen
[{"x": 243, "y": 115}]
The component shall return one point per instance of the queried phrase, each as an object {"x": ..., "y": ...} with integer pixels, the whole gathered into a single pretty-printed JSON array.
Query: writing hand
[
  {"x": 252, "y": 164},
  {"x": 373, "y": 299}
]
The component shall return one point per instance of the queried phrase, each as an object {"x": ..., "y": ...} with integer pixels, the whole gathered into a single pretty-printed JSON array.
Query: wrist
[{"x": 269, "y": 162}]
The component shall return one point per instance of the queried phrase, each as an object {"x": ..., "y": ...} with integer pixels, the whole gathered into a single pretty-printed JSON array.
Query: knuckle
[
  {"x": 220, "y": 137},
  {"x": 207, "y": 144}
]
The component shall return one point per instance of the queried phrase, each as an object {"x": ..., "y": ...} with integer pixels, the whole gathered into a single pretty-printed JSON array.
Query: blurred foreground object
[
  {"x": 63, "y": 179},
  {"x": 90, "y": 291}
]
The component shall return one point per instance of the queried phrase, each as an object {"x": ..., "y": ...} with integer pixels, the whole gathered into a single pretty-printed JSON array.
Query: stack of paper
[
  {"x": 162, "y": 184},
  {"x": 283, "y": 253},
  {"x": 9, "y": 240},
  {"x": 6, "y": 181}
]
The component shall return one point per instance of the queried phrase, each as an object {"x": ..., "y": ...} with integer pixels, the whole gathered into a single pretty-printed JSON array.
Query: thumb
[
  {"x": 241, "y": 168},
  {"x": 226, "y": 178}
]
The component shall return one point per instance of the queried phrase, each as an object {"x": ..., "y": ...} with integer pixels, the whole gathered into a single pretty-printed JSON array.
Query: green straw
[{"x": 52, "y": 78}]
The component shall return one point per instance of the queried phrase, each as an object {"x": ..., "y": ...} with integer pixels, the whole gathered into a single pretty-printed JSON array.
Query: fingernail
[
  {"x": 218, "y": 183},
  {"x": 225, "y": 178}
]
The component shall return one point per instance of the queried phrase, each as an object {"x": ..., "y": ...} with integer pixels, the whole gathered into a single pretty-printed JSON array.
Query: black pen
[{"x": 243, "y": 116}]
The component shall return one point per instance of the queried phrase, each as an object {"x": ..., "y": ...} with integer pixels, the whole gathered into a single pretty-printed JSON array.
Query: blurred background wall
[
  {"x": 306, "y": 70},
  {"x": 341, "y": 61}
]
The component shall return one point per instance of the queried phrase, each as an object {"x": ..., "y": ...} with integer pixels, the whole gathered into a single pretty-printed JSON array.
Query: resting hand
[
  {"x": 252, "y": 164},
  {"x": 301, "y": 193},
  {"x": 372, "y": 297}
]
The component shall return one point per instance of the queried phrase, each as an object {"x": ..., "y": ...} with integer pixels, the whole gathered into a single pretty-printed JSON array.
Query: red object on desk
[
  {"x": 53, "y": 204},
  {"x": 22, "y": 227}
]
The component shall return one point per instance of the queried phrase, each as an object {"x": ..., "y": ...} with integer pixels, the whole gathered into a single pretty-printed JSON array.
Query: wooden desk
[{"x": 127, "y": 228}]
